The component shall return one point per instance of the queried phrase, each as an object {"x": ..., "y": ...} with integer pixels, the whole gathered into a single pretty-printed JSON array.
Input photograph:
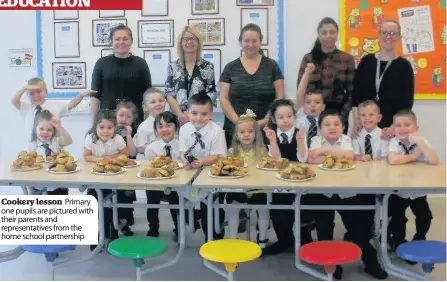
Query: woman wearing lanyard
[
  {"x": 386, "y": 78},
  {"x": 189, "y": 74}
]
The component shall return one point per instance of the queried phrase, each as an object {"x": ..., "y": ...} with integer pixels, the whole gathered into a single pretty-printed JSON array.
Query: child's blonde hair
[
  {"x": 259, "y": 148},
  {"x": 39, "y": 82},
  {"x": 146, "y": 94}
]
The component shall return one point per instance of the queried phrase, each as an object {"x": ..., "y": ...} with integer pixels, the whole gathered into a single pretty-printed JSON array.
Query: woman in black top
[
  {"x": 391, "y": 74},
  {"x": 252, "y": 81},
  {"x": 121, "y": 76}
]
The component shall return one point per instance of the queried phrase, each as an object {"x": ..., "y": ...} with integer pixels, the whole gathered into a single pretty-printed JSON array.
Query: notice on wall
[{"x": 21, "y": 58}]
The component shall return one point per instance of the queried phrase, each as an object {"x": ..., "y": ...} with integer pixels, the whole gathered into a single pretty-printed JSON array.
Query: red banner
[{"x": 71, "y": 4}]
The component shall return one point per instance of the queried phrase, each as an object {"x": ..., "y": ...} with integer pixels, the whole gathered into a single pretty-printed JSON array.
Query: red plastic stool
[{"x": 330, "y": 254}]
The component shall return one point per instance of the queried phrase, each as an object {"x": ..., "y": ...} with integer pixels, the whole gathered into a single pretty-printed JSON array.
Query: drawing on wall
[
  {"x": 437, "y": 77},
  {"x": 106, "y": 52},
  {"x": 69, "y": 75},
  {"x": 255, "y": 2},
  {"x": 101, "y": 30},
  {"x": 212, "y": 30},
  {"x": 155, "y": 33},
  {"x": 203, "y": 7},
  {"x": 370, "y": 46},
  {"x": 417, "y": 29},
  {"x": 354, "y": 18},
  {"x": 21, "y": 58},
  {"x": 378, "y": 17}
]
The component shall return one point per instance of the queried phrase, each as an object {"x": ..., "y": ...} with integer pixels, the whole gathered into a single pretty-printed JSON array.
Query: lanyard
[
  {"x": 190, "y": 81},
  {"x": 380, "y": 77}
]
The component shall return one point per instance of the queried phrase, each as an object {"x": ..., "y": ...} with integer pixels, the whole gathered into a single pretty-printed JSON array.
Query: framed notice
[
  {"x": 106, "y": 52},
  {"x": 204, "y": 7},
  {"x": 155, "y": 8},
  {"x": 255, "y": 2},
  {"x": 158, "y": 61},
  {"x": 153, "y": 33},
  {"x": 212, "y": 30},
  {"x": 65, "y": 15},
  {"x": 69, "y": 75},
  {"x": 101, "y": 30},
  {"x": 112, "y": 13},
  {"x": 214, "y": 56},
  {"x": 66, "y": 39},
  {"x": 258, "y": 16}
]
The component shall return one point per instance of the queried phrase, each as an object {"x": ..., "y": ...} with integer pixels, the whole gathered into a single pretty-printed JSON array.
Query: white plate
[
  {"x": 320, "y": 166},
  {"x": 75, "y": 160},
  {"x": 154, "y": 178},
  {"x": 264, "y": 168},
  {"x": 292, "y": 180},
  {"x": 137, "y": 163},
  {"x": 180, "y": 165},
  {"x": 226, "y": 177},
  {"x": 245, "y": 165},
  {"x": 64, "y": 172},
  {"x": 26, "y": 169},
  {"x": 109, "y": 173}
]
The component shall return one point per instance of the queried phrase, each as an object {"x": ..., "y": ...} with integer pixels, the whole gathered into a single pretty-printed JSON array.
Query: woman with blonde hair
[{"x": 189, "y": 74}]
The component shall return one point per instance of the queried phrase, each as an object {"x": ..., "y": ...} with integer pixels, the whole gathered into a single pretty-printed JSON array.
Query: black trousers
[
  {"x": 204, "y": 218},
  {"x": 109, "y": 231},
  {"x": 397, "y": 226},
  {"x": 358, "y": 223},
  {"x": 255, "y": 199},
  {"x": 58, "y": 192},
  {"x": 282, "y": 220},
  {"x": 126, "y": 197},
  {"x": 152, "y": 215}
]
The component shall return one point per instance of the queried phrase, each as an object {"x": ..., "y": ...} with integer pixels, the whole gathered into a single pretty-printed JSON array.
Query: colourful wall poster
[
  {"x": 21, "y": 58},
  {"x": 423, "y": 29}
]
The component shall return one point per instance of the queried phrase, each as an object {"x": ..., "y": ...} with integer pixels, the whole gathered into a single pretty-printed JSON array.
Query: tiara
[{"x": 248, "y": 114}]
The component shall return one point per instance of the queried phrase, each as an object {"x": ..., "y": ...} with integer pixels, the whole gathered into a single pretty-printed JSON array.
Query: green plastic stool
[{"x": 137, "y": 248}]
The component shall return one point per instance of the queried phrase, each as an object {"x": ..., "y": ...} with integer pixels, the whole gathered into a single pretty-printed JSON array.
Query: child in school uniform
[
  {"x": 153, "y": 103},
  {"x": 285, "y": 141},
  {"x": 310, "y": 104},
  {"x": 126, "y": 113},
  {"x": 166, "y": 126},
  {"x": 406, "y": 147},
  {"x": 248, "y": 144},
  {"x": 333, "y": 142},
  {"x": 202, "y": 142},
  {"x": 48, "y": 136},
  {"x": 102, "y": 142}
]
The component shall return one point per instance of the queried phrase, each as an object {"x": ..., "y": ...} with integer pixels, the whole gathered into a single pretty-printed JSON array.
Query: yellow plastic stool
[{"x": 230, "y": 252}]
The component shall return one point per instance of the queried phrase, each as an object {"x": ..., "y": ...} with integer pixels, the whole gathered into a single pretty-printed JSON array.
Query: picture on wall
[
  {"x": 112, "y": 13},
  {"x": 69, "y": 75},
  {"x": 66, "y": 39},
  {"x": 212, "y": 30},
  {"x": 214, "y": 56},
  {"x": 101, "y": 30},
  {"x": 204, "y": 7},
  {"x": 65, "y": 15},
  {"x": 158, "y": 61},
  {"x": 106, "y": 52},
  {"x": 155, "y": 8},
  {"x": 156, "y": 33},
  {"x": 255, "y": 2},
  {"x": 258, "y": 16}
]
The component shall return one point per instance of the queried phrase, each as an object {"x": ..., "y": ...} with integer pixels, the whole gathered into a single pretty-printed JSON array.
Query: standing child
[
  {"x": 288, "y": 142},
  {"x": 126, "y": 113},
  {"x": 48, "y": 136},
  {"x": 166, "y": 125},
  {"x": 408, "y": 146},
  {"x": 202, "y": 142},
  {"x": 248, "y": 144},
  {"x": 102, "y": 142},
  {"x": 153, "y": 103},
  {"x": 333, "y": 142}
]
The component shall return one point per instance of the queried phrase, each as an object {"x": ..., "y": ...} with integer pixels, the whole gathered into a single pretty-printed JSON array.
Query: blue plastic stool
[{"x": 425, "y": 252}]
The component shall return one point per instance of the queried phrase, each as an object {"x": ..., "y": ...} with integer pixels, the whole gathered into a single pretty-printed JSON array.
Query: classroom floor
[{"x": 190, "y": 267}]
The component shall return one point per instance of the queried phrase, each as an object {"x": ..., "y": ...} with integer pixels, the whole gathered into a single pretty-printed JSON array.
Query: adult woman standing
[
  {"x": 189, "y": 74},
  {"x": 386, "y": 78},
  {"x": 334, "y": 69},
  {"x": 252, "y": 81},
  {"x": 121, "y": 76}
]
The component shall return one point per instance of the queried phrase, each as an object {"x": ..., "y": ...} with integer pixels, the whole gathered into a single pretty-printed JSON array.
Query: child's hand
[
  {"x": 128, "y": 130},
  {"x": 301, "y": 134},
  {"x": 270, "y": 134},
  {"x": 56, "y": 122},
  {"x": 310, "y": 68},
  {"x": 366, "y": 158},
  {"x": 197, "y": 164},
  {"x": 88, "y": 92},
  {"x": 416, "y": 153},
  {"x": 387, "y": 133},
  {"x": 415, "y": 138}
]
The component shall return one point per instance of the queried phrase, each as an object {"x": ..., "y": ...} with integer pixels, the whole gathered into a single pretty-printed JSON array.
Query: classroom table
[
  {"x": 377, "y": 178},
  {"x": 84, "y": 179}
]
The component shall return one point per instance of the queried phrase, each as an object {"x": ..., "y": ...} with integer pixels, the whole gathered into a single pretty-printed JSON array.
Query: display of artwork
[
  {"x": 212, "y": 30},
  {"x": 69, "y": 75},
  {"x": 101, "y": 30}
]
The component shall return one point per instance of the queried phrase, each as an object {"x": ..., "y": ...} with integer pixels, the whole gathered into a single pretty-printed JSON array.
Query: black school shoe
[
  {"x": 152, "y": 233},
  {"x": 127, "y": 231},
  {"x": 376, "y": 271},
  {"x": 275, "y": 249},
  {"x": 338, "y": 274}
]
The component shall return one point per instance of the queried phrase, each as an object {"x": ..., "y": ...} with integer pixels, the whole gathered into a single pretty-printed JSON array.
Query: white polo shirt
[
  {"x": 54, "y": 145},
  {"x": 212, "y": 135},
  {"x": 100, "y": 149},
  {"x": 145, "y": 135},
  {"x": 378, "y": 145},
  {"x": 301, "y": 119},
  {"x": 157, "y": 148}
]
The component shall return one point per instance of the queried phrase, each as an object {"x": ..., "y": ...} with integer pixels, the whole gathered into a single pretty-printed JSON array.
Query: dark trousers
[
  {"x": 397, "y": 226},
  {"x": 58, "y": 192},
  {"x": 126, "y": 197},
  {"x": 152, "y": 215},
  {"x": 204, "y": 218},
  {"x": 109, "y": 231},
  {"x": 282, "y": 220},
  {"x": 358, "y": 223}
]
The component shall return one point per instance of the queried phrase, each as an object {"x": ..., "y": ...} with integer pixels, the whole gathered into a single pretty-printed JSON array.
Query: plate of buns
[
  {"x": 152, "y": 173},
  {"x": 123, "y": 161},
  {"x": 70, "y": 167},
  {"x": 161, "y": 161},
  {"x": 336, "y": 164},
  {"x": 228, "y": 168},
  {"x": 269, "y": 163},
  {"x": 26, "y": 161},
  {"x": 61, "y": 157},
  {"x": 105, "y": 167},
  {"x": 296, "y": 173}
]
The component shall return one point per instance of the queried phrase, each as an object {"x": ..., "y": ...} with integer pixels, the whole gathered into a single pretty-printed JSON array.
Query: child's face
[
  {"x": 404, "y": 126},
  {"x": 105, "y": 130},
  {"x": 246, "y": 132},
  {"x": 155, "y": 104},
  {"x": 369, "y": 117},
  {"x": 166, "y": 131},
  {"x": 285, "y": 117},
  {"x": 331, "y": 128},
  {"x": 36, "y": 95},
  {"x": 44, "y": 130},
  {"x": 313, "y": 104},
  {"x": 124, "y": 117},
  {"x": 200, "y": 115}
]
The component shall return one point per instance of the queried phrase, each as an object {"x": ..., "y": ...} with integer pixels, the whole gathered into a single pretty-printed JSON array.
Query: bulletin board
[{"x": 423, "y": 37}]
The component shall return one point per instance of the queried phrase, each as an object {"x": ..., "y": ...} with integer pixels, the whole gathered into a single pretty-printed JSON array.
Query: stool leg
[
  {"x": 231, "y": 269},
  {"x": 138, "y": 270},
  {"x": 138, "y": 263},
  {"x": 230, "y": 276},
  {"x": 248, "y": 224},
  {"x": 329, "y": 269}
]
